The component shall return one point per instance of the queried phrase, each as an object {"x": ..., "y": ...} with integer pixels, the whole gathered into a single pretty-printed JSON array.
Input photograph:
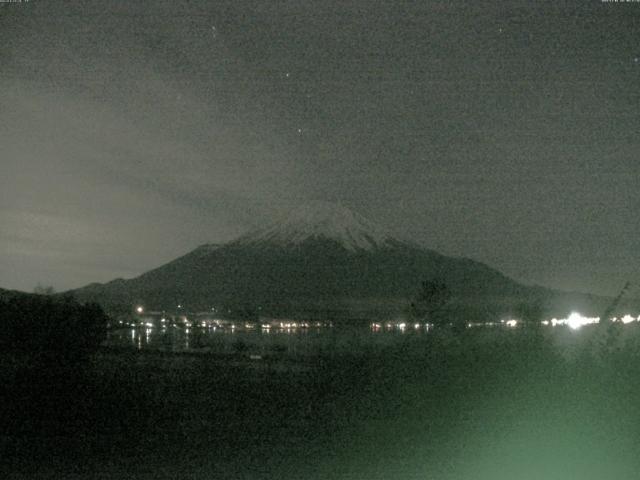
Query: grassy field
[{"x": 482, "y": 404}]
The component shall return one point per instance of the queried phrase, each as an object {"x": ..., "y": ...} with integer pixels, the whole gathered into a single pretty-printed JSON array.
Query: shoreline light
[{"x": 627, "y": 319}]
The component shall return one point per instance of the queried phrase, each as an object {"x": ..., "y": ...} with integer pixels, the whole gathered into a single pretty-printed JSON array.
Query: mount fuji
[
  {"x": 321, "y": 259},
  {"x": 325, "y": 221}
]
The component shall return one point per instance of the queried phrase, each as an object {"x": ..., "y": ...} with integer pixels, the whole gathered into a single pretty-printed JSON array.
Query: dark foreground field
[{"x": 484, "y": 404}]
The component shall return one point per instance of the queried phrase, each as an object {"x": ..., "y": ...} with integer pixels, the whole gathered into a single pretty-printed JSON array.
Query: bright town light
[{"x": 575, "y": 320}]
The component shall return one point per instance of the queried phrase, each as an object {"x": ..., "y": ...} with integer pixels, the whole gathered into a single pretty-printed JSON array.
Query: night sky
[{"x": 133, "y": 131}]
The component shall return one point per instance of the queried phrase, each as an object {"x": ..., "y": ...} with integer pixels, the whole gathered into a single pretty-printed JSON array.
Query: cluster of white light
[
  {"x": 289, "y": 325},
  {"x": 574, "y": 321},
  {"x": 226, "y": 324},
  {"x": 286, "y": 324},
  {"x": 399, "y": 325},
  {"x": 626, "y": 319},
  {"x": 485, "y": 324}
]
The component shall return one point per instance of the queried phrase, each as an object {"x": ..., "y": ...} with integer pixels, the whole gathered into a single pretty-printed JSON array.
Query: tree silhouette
[
  {"x": 430, "y": 301},
  {"x": 46, "y": 326},
  {"x": 44, "y": 289},
  {"x": 531, "y": 311}
]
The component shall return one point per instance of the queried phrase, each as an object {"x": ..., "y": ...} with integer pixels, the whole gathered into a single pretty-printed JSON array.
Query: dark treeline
[
  {"x": 46, "y": 326},
  {"x": 47, "y": 388}
]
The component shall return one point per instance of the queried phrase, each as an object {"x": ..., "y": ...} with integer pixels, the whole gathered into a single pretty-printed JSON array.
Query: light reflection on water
[
  {"x": 299, "y": 341},
  {"x": 309, "y": 340}
]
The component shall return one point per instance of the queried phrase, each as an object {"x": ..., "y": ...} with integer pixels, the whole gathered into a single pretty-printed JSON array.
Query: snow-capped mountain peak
[{"x": 322, "y": 221}]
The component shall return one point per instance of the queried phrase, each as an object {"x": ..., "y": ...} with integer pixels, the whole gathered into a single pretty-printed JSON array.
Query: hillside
[{"x": 328, "y": 259}]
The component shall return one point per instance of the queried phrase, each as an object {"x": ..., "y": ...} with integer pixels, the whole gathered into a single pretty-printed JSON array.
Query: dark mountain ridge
[{"x": 316, "y": 262}]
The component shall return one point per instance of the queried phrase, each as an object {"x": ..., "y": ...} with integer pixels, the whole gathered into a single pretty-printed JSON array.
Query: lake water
[
  {"x": 363, "y": 338},
  {"x": 309, "y": 341}
]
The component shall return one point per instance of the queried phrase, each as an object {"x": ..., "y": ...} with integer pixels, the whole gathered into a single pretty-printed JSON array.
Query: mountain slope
[
  {"x": 327, "y": 256},
  {"x": 322, "y": 221}
]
